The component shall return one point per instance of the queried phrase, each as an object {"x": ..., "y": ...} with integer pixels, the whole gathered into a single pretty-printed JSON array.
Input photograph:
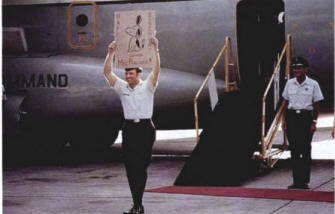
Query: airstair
[{"x": 238, "y": 137}]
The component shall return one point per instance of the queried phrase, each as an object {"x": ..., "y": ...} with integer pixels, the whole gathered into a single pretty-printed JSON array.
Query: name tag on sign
[{"x": 133, "y": 30}]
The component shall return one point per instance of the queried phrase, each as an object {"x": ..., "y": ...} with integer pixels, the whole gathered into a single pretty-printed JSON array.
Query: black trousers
[
  {"x": 137, "y": 142},
  {"x": 300, "y": 138}
]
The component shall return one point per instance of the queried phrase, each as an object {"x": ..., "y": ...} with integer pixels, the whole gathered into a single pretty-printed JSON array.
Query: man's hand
[
  {"x": 284, "y": 129},
  {"x": 283, "y": 125},
  {"x": 154, "y": 41},
  {"x": 313, "y": 127},
  {"x": 284, "y": 146},
  {"x": 112, "y": 47}
]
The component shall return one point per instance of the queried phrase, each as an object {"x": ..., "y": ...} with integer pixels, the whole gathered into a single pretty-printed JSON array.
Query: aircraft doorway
[
  {"x": 260, "y": 32},
  {"x": 260, "y": 38}
]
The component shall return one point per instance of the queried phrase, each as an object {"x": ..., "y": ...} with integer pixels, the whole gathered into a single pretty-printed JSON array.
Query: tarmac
[{"x": 95, "y": 183}]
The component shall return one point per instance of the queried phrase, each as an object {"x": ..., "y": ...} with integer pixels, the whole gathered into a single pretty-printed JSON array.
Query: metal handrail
[
  {"x": 237, "y": 75},
  {"x": 200, "y": 90},
  {"x": 266, "y": 141},
  {"x": 225, "y": 49}
]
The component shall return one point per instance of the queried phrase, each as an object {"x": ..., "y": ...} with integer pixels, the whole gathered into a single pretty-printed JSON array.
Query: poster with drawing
[{"x": 133, "y": 29}]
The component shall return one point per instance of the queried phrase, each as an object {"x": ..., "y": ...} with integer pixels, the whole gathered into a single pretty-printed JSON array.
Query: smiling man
[
  {"x": 302, "y": 96},
  {"x": 138, "y": 131}
]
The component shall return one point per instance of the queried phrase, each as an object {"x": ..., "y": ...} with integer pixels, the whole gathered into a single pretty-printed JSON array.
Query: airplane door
[
  {"x": 260, "y": 32},
  {"x": 260, "y": 38}
]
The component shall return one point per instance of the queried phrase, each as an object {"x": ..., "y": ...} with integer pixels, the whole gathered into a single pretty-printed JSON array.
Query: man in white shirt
[
  {"x": 302, "y": 96},
  {"x": 138, "y": 131}
]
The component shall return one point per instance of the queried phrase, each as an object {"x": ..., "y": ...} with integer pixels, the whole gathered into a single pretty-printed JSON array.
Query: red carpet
[{"x": 283, "y": 194}]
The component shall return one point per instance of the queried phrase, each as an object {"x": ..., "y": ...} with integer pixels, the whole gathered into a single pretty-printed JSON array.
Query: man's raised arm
[
  {"x": 157, "y": 64},
  {"x": 109, "y": 75}
]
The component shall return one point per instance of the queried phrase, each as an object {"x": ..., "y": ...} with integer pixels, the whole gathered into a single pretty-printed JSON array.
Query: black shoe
[
  {"x": 131, "y": 211},
  {"x": 304, "y": 186},
  {"x": 292, "y": 186},
  {"x": 135, "y": 210},
  {"x": 298, "y": 186},
  {"x": 140, "y": 210}
]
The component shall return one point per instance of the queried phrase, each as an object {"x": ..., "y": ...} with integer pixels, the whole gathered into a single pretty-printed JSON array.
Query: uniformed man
[
  {"x": 138, "y": 132},
  {"x": 302, "y": 96}
]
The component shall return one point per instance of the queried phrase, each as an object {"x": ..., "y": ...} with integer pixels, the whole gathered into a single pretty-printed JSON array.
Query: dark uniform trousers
[
  {"x": 300, "y": 137},
  {"x": 137, "y": 142}
]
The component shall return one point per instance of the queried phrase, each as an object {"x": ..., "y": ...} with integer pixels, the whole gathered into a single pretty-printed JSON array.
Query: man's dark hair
[
  {"x": 138, "y": 70},
  {"x": 299, "y": 62}
]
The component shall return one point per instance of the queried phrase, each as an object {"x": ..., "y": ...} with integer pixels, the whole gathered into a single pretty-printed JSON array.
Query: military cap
[
  {"x": 138, "y": 70},
  {"x": 299, "y": 62}
]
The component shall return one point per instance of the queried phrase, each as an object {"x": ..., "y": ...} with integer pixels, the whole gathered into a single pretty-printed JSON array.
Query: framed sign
[{"x": 133, "y": 30}]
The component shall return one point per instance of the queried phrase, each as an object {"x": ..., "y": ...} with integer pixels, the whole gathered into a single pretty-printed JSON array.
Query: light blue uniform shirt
[{"x": 302, "y": 96}]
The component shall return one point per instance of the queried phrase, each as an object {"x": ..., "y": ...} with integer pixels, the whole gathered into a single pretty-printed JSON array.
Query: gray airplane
[{"x": 57, "y": 95}]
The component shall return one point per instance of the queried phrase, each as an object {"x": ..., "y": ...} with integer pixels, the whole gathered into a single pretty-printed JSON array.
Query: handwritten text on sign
[{"x": 133, "y": 29}]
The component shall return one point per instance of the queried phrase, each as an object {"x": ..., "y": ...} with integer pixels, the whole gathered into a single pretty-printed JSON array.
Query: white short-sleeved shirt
[
  {"x": 302, "y": 96},
  {"x": 138, "y": 102}
]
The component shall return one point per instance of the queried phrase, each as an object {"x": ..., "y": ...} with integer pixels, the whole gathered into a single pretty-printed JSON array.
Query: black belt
[
  {"x": 299, "y": 111},
  {"x": 138, "y": 121}
]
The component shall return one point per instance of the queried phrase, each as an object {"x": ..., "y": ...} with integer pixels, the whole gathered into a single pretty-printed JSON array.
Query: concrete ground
[{"x": 80, "y": 183}]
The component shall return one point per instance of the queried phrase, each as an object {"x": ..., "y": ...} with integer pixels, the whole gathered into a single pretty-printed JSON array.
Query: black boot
[{"x": 135, "y": 210}]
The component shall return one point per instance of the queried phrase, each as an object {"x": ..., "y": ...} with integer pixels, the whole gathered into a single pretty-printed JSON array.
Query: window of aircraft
[
  {"x": 82, "y": 20},
  {"x": 281, "y": 17}
]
